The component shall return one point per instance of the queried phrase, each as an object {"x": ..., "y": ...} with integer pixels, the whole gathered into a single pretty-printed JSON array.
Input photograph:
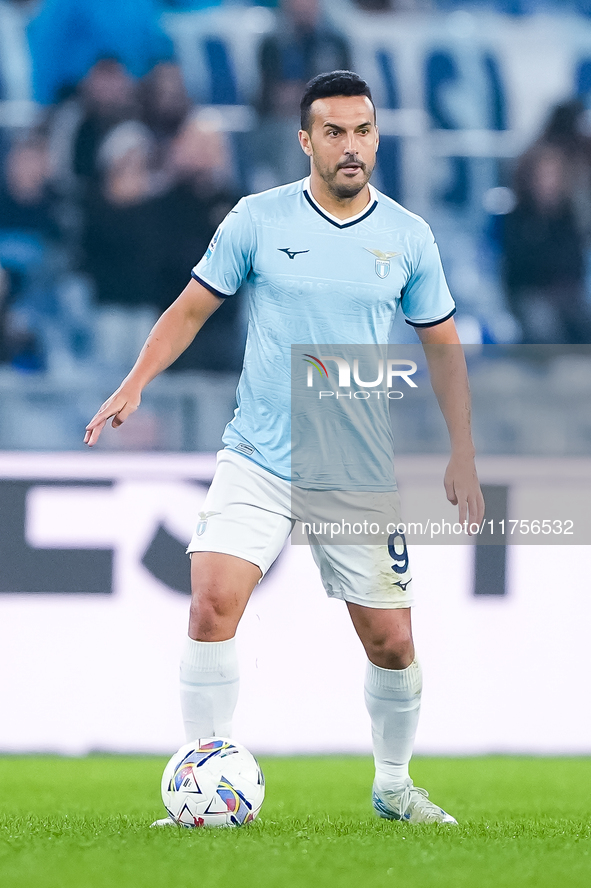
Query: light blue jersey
[{"x": 314, "y": 279}]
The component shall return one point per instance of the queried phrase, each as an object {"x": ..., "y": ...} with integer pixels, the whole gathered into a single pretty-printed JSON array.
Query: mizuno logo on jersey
[
  {"x": 402, "y": 585},
  {"x": 291, "y": 253},
  {"x": 382, "y": 261}
]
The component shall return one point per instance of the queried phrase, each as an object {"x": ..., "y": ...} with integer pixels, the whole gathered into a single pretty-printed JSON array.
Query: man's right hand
[
  {"x": 120, "y": 405},
  {"x": 172, "y": 334}
]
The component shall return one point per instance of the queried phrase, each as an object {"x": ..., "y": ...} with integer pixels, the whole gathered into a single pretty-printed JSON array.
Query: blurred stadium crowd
[{"x": 129, "y": 128}]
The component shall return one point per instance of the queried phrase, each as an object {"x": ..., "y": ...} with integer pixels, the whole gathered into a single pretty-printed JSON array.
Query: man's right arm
[{"x": 171, "y": 335}]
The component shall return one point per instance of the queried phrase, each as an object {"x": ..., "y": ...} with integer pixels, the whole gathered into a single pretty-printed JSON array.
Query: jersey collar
[{"x": 341, "y": 223}]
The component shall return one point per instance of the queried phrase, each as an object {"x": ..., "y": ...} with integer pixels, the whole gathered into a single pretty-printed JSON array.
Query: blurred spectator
[
  {"x": 19, "y": 346},
  {"x": 29, "y": 231},
  {"x": 565, "y": 128},
  {"x": 68, "y": 36},
  {"x": 119, "y": 245},
  {"x": 76, "y": 127},
  {"x": 301, "y": 46},
  {"x": 120, "y": 221},
  {"x": 543, "y": 249},
  {"x": 33, "y": 249},
  {"x": 164, "y": 106},
  {"x": 201, "y": 196},
  {"x": 27, "y": 202},
  {"x": 568, "y": 128},
  {"x": 108, "y": 98}
]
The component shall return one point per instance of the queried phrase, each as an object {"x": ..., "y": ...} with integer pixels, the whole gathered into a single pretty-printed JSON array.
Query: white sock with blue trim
[
  {"x": 393, "y": 700},
  {"x": 209, "y": 687}
]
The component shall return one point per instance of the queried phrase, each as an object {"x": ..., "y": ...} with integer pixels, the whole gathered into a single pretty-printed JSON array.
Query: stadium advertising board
[{"x": 93, "y": 612}]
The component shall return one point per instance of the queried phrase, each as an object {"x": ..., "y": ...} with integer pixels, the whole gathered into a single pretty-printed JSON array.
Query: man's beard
[{"x": 345, "y": 190}]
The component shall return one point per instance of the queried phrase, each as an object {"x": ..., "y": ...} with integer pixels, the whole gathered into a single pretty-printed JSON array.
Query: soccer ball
[{"x": 213, "y": 782}]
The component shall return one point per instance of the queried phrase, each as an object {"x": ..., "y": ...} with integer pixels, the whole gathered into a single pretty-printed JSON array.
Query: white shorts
[{"x": 248, "y": 513}]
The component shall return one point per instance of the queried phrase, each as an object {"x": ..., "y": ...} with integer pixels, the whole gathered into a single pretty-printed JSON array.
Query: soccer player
[{"x": 308, "y": 251}]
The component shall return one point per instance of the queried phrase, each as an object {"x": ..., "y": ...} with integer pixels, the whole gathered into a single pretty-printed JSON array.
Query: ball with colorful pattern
[{"x": 213, "y": 782}]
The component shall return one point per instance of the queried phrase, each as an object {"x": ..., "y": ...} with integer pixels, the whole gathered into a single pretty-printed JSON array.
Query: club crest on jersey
[
  {"x": 202, "y": 525},
  {"x": 382, "y": 261}
]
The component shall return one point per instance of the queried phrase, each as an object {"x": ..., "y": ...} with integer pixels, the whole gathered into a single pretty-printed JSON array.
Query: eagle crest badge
[
  {"x": 382, "y": 261},
  {"x": 203, "y": 518}
]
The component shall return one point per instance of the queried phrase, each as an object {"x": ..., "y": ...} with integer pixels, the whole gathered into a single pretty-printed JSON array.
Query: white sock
[
  {"x": 209, "y": 688},
  {"x": 393, "y": 700}
]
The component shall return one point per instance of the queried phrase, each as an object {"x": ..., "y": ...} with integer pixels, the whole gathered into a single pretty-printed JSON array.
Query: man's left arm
[{"x": 449, "y": 378}]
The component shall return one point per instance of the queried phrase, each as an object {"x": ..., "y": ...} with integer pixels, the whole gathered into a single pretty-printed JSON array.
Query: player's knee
[
  {"x": 212, "y": 618},
  {"x": 221, "y": 586},
  {"x": 393, "y": 649}
]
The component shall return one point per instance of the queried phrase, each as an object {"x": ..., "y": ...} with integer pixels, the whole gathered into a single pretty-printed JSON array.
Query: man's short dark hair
[{"x": 334, "y": 83}]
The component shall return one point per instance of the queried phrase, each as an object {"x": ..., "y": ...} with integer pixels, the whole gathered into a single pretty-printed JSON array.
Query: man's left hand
[{"x": 463, "y": 489}]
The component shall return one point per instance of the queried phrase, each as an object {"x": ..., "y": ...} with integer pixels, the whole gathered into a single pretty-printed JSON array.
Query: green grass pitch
[{"x": 83, "y": 823}]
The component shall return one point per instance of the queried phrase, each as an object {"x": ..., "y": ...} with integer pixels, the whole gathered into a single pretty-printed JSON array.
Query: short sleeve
[
  {"x": 426, "y": 299},
  {"x": 228, "y": 258}
]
